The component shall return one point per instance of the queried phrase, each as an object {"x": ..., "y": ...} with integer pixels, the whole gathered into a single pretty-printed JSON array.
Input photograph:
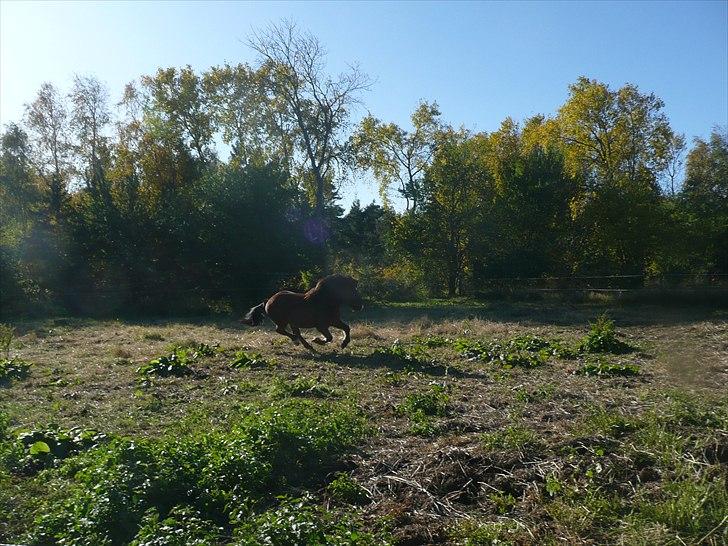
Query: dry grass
[{"x": 449, "y": 486}]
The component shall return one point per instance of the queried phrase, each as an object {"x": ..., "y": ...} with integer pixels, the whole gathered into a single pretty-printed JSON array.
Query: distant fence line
[
  {"x": 576, "y": 283},
  {"x": 609, "y": 283}
]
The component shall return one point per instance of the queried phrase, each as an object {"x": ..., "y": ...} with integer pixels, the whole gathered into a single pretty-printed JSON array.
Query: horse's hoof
[
  {"x": 344, "y": 343},
  {"x": 296, "y": 342},
  {"x": 319, "y": 341}
]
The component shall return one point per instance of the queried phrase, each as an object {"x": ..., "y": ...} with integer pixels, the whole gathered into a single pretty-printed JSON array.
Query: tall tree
[
  {"x": 705, "y": 193},
  {"x": 90, "y": 117},
  {"x": 397, "y": 156},
  {"x": 238, "y": 103},
  {"x": 615, "y": 143},
  {"x": 307, "y": 104},
  {"x": 47, "y": 120},
  {"x": 440, "y": 236},
  {"x": 178, "y": 100}
]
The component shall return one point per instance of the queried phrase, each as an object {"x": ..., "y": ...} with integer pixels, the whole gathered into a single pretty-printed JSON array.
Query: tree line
[{"x": 212, "y": 189}]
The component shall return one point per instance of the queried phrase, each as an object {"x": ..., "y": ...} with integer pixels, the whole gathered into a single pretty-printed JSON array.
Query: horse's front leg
[
  {"x": 327, "y": 335},
  {"x": 281, "y": 329},
  {"x": 341, "y": 325},
  {"x": 297, "y": 333}
]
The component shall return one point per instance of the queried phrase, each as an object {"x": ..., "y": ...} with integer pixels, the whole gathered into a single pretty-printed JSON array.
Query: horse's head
[{"x": 343, "y": 290}]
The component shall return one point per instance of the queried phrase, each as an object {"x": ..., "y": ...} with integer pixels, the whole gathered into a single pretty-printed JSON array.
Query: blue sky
[{"x": 480, "y": 61}]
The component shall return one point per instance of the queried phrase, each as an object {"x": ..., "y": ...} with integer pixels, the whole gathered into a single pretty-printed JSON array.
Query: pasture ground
[{"x": 457, "y": 449}]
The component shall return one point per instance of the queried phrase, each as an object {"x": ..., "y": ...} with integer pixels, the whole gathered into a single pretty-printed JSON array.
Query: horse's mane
[{"x": 320, "y": 287}]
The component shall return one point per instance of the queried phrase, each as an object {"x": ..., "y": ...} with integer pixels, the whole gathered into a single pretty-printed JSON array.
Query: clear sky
[{"x": 481, "y": 61}]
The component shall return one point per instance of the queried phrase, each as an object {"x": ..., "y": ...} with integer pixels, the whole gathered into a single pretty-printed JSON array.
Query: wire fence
[{"x": 255, "y": 284}]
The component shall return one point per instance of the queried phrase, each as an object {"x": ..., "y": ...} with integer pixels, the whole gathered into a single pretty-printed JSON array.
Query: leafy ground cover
[{"x": 510, "y": 423}]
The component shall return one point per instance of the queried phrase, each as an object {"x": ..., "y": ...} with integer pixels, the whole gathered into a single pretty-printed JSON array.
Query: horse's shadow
[{"x": 395, "y": 364}]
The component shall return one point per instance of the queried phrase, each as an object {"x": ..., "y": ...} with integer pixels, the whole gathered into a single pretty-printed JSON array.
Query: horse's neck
[{"x": 318, "y": 297}]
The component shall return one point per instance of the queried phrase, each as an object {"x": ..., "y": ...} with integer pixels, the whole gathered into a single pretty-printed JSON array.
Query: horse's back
[{"x": 286, "y": 306}]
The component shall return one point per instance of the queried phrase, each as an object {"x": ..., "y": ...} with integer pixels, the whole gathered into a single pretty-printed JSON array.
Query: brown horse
[{"x": 318, "y": 308}]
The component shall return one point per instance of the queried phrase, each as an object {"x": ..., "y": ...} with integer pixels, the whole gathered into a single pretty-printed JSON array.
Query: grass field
[{"x": 458, "y": 424}]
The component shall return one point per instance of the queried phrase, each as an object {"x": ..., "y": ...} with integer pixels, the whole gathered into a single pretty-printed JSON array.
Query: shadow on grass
[
  {"x": 534, "y": 313},
  {"x": 377, "y": 361}
]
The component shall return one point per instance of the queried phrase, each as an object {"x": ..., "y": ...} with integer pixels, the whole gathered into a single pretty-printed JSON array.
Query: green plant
[
  {"x": 513, "y": 437},
  {"x": 420, "y": 407},
  {"x": 13, "y": 368},
  {"x": 343, "y": 488},
  {"x": 397, "y": 353},
  {"x": 300, "y": 522},
  {"x": 47, "y": 447},
  {"x": 432, "y": 402},
  {"x": 173, "y": 364},
  {"x": 603, "y": 421},
  {"x": 602, "y": 367},
  {"x": 521, "y": 351},
  {"x": 127, "y": 488},
  {"x": 249, "y": 360},
  {"x": 537, "y": 394},
  {"x": 193, "y": 348},
  {"x": 602, "y": 338},
  {"x": 553, "y": 485},
  {"x": 302, "y": 386},
  {"x": 474, "y": 533},
  {"x": 691, "y": 507},
  {"x": 183, "y": 526},
  {"x": 431, "y": 341},
  {"x": 503, "y": 502}
]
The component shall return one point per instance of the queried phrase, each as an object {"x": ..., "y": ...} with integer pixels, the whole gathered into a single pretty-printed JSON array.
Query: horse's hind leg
[
  {"x": 343, "y": 326},
  {"x": 281, "y": 329},
  {"x": 297, "y": 333},
  {"x": 327, "y": 335}
]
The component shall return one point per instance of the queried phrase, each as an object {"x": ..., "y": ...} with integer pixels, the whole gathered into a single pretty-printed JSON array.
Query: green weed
[
  {"x": 602, "y": 338},
  {"x": 13, "y": 368},
  {"x": 514, "y": 437},
  {"x": 602, "y": 367},
  {"x": 112, "y": 491},
  {"x": 249, "y": 360},
  {"x": 421, "y": 407},
  {"x": 303, "y": 387},
  {"x": 173, "y": 364},
  {"x": 525, "y": 351},
  {"x": 343, "y": 488},
  {"x": 473, "y": 533}
]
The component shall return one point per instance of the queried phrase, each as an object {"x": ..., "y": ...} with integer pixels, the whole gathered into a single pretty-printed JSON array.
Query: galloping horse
[{"x": 318, "y": 308}]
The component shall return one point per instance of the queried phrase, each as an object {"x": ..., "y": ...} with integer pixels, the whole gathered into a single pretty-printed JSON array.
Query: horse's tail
[{"x": 255, "y": 315}]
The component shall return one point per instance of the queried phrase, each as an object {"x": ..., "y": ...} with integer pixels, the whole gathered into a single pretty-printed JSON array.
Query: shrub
[{"x": 602, "y": 338}]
